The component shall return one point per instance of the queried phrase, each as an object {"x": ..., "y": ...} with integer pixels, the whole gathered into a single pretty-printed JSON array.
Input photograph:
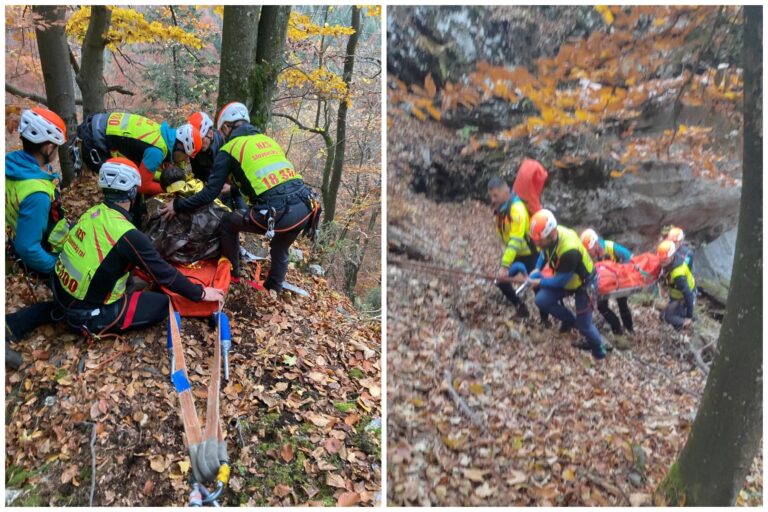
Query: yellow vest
[
  {"x": 568, "y": 240},
  {"x": 134, "y": 126},
  {"x": 680, "y": 270},
  {"x": 16, "y": 191},
  {"x": 262, "y": 160},
  {"x": 89, "y": 242},
  {"x": 512, "y": 227}
]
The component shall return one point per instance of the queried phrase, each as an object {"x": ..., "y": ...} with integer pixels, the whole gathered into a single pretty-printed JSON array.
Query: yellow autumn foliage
[
  {"x": 325, "y": 83},
  {"x": 129, "y": 26},
  {"x": 300, "y": 27}
]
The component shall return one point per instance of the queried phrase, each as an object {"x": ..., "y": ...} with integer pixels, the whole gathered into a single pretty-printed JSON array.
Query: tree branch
[
  {"x": 26, "y": 94},
  {"x": 11, "y": 89},
  {"x": 299, "y": 124}
]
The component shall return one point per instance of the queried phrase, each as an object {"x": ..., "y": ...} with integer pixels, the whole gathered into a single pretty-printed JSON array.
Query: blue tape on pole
[
  {"x": 225, "y": 327},
  {"x": 180, "y": 381}
]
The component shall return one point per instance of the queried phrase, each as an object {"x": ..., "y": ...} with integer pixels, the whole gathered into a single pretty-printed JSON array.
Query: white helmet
[
  {"x": 42, "y": 125},
  {"x": 589, "y": 238},
  {"x": 119, "y": 174},
  {"x": 201, "y": 121},
  {"x": 231, "y": 112},
  {"x": 190, "y": 138}
]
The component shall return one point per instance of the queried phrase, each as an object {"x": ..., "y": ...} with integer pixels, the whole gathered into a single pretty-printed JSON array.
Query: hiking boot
[
  {"x": 545, "y": 323},
  {"x": 607, "y": 345},
  {"x": 565, "y": 328},
  {"x": 599, "y": 353},
  {"x": 522, "y": 311},
  {"x": 13, "y": 359},
  {"x": 581, "y": 345}
]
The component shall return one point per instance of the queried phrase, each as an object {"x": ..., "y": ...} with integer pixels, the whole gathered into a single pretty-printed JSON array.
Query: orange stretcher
[
  {"x": 207, "y": 273},
  {"x": 616, "y": 280}
]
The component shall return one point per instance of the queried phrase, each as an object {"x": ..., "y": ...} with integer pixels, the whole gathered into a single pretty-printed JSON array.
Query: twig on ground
[
  {"x": 468, "y": 412},
  {"x": 93, "y": 461},
  {"x": 607, "y": 486}
]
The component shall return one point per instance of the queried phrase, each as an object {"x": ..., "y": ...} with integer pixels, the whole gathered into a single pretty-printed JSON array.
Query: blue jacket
[
  {"x": 34, "y": 212},
  {"x": 153, "y": 157},
  {"x": 623, "y": 255}
]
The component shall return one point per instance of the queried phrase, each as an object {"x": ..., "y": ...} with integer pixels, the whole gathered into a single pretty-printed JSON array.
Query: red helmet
[{"x": 543, "y": 223}]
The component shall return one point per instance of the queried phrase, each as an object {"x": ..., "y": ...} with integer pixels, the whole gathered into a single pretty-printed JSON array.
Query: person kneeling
[
  {"x": 98, "y": 256},
  {"x": 680, "y": 285}
]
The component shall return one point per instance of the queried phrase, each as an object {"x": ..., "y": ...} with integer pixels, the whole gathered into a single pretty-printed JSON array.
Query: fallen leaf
[
  {"x": 475, "y": 475},
  {"x": 184, "y": 466},
  {"x": 287, "y": 453},
  {"x": 282, "y": 490},
  {"x": 332, "y": 445},
  {"x": 485, "y": 491},
  {"x": 149, "y": 486},
  {"x": 639, "y": 499},
  {"x": 348, "y": 499},
  {"x": 335, "y": 480},
  {"x": 68, "y": 474},
  {"x": 516, "y": 478},
  {"x": 157, "y": 463}
]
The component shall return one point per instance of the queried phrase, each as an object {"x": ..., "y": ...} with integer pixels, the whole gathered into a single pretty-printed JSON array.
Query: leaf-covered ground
[
  {"x": 530, "y": 420},
  {"x": 300, "y": 410}
]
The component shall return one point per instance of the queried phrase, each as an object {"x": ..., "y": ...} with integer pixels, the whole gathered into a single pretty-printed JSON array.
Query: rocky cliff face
[{"x": 448, "y": 41}]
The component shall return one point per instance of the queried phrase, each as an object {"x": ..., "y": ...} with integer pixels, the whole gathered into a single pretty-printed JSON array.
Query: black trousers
[
  {"x": 287, "y": 229},
  {"x": 612, "y": 319},
  {"x": 133, "y": 311}
]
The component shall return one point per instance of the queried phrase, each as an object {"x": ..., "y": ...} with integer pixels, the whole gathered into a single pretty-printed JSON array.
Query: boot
[
  {"x": 522, "y": 311},
  {"x": 13, "y": 359}
]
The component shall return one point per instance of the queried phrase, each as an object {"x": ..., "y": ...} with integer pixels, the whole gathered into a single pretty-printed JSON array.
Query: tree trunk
[
  {"x": 329, "y": 200},
  {"x": 269, "y": 59},
  {"x": 352, "y": 265},
  {"x": 90, "y": 77},
  {"x": 238, "y": 53},
  {"x": 57, "y": 76},
  {"x": 727, "y": 431}
]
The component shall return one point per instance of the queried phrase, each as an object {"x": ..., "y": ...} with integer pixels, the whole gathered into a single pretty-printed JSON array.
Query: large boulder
[
  {"x": 713, "y": 263},
  {"x": 447, "y": 41}
]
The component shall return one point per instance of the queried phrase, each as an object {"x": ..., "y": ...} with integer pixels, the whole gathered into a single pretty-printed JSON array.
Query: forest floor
[
  {"x": 484, "y": 410},
  {"x": 301, "y": 412}
]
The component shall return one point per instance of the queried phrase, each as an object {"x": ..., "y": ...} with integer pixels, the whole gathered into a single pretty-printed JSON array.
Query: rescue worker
[
  {"x": 149, "y": 145},
  {"x": 677, "y": 236},
  {"x": 202, "y": 162},
  {"x": 520, "y": 254},
  {"x": 574, "y": 273},
  {"x": 92, "y": 271},
  {"x": 280, "y": 204},
  {"x": 34, "y": 217},
  {"x": 212, "y": 141},
  {"x": 681, "y": 286},
  {"x": 600, "y": 249}
]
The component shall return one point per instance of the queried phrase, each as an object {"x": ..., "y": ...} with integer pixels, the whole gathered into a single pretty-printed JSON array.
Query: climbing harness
[
  {"x": 270, "y": 233},
  {"x": 209, "y": 445}
]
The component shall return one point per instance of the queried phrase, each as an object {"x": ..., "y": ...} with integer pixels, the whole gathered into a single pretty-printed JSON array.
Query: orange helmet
[
  {"x": 42, "y": 125},
  {"x": 543, "y": 223},
  {"x": 666, "y": 249},
  {"x": 675, "y": 234},
  {"x": 589, "y": 239}
]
